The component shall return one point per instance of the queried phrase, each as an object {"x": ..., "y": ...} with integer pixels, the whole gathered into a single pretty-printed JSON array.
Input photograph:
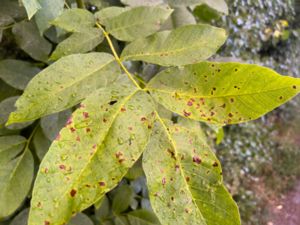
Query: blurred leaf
[
  {"x": 135, "y": 171},
  {"x": 182, "y": 16},
  {"x": 184, "y": 45},
  {"x": 78, "y": 43},
  {"x": 40, "y": 143},
  {"x": 6, "y": 107},
  {"x": 21, "y": 218},
  {"x": 184, "y": 179},
  {"x": 205, "y": 13},
  {"x": 220, "y": 135},
  {"x": 92, "y": 153},
  {"x": 48, "y": 12},
  {"x": 29, "y": 40},
  {"x": 142, "y": 2},
  {"x": 64, "y": 84},
  {"x": 53, "y": 123},
  {"x": 136, "y": 23},
  {"x": 16, "y": 173},
  {"x": 122, "y": 199},
  {"x": 13, "y": 9},
  {"x": 142, "y": 217},
  {"x": 75, "y": 20},
  {"x": 222, "y": 93},
  {"x": 81, "y": 219},
  {"x": 17, "y": 73},
  {"x": 31, "y": 6},
  {"x": 103, "y": 212},
  {"x": 7, "y": 91}
]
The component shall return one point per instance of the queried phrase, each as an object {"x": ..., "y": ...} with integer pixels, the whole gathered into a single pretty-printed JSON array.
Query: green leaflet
[
  {"x": 75, "y": 20},
  {"x": 17, "y": 73},
  {"x": 16, "y": 173},
  {"x": 184, "y": 45},
  {"x": 100, "y": 142},
  {"x": 29, "y": 40},
  {"x": 78, "y": 43},
  {"x": 49, "y": 11},
  {"x": 64, "y": 84},
  {"x": 107, "y": 13},
  {"x": 137, "y": 22},
  {"x": 222, "y": 93},
  {"x": 31, "y": 6},
  {"x": 40, "y": 143},
  {"x": 184, "y": 181}
]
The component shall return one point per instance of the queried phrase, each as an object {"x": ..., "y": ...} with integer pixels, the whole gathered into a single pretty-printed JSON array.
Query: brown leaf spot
[
  {"x": 72, "y": 129},
  {"x": 118, "y": 155},
  {"x": 172, "y": 153},
  {"x": 101, "y": 184},
  {"x": 78, "y": 138},
  {"x": 85, "y": 115},
  {"x": 186, "y": 114},
  {"x": 196, "y": 159},
  {"x": 215, "y": 164},
  {"x": 143, "y": 119},
  {"x": 46, "y": 222},
  {"x": 121, "y": 160},
  {"x": 232, "y": 100},
  {"x": 104, "y": 120},
  {"x": 88, "y": 130},
  {"x": 113, "y": 102},
  {"x": 223, "y": 106},
  {"x": 163, "y": 181},
  {"x": 189, "y": 103},
  {"x": 73, "y": 192},
  {"x": 62, "y": 167},
  {"x": 230, "y": 114},
  {"x": 187, "y": 179},
  {"x": 123, "y": 109}
]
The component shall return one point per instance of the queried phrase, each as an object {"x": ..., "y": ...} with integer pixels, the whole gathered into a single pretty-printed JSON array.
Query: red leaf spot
[
  {"x": 101, "y": 184},
  {"x": 70, "y": 120},
  {"x": 186, "y": 114},
  {"x": 163, "y": 181},
  {"x": 62, "y": 167},
  {"x": 73, "y": 192},
  {"x": 94, "y": 146},
  {"x": 196, "y": 159},
  {"x": 78, "y": 138},
  {"x": 85, "y": 115},
  {"x": 46, "y": 222},
  {"x": 190, "y": 103},
  {"x": 72, "y": 129}
]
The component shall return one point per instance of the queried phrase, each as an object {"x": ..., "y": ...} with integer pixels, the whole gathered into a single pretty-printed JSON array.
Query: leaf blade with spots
[
  {"x": 184, "y": 45},
  {"x": 100, "y": 142},
  {"x": 136, "y": 23},
  {"x": 222, "y": 93},
  {"x": 64, "y": 84},
  {"x": 184, "y": 181}
]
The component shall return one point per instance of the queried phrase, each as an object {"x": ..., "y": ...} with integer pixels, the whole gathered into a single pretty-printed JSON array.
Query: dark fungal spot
[
  {"x": 72, "y": 129},
  {"x": 186, "y": 114},
  {"x": 212, "y": 65},
  {"x": 235, "y": 69},
  {"x": 149, "y": 127},
  {"x": 230, "y": 114},
  {"x": 113, "y": 102},
  {"x": 212, "y": 113},
  {"x": 196, "y": 159},
  {"x": 88, "y": 130},
  {"x": 232, "y": 100},
  {"x": 101, "y": 184},
  {"x": 187, "y": 210},
  {"x": 219, "y": 70},
  {"x": 172, "y": 198},
  {"x": 171, "y": 153},
  {"x": 104, "y": 120},
  {"x": 73, "y": 192},
  {"x": 294, "y": 86},
  {"x": 187, "y": 179},
  {"x": 280, "y": 97},
  {"x": 215, "y": 164},
  {"x": 223, "y": 106},
  {"x": 121, "y": 160}
]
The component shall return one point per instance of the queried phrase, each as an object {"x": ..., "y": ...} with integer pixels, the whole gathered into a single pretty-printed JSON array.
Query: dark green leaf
[
  {"x": 41, "y": 143},
  {"x": 122, "y": 199}
]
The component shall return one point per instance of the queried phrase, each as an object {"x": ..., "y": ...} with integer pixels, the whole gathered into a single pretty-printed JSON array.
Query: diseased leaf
[
  {"x": 64, "y": 84},
  {"x": 92, "y": 153},
  {"x": 137, "y": 22},
  {"x": 184, "y": 181},
  {"x": 184, "y": 45},
  {"x": 75, "y": 20},
  {"x": 17, "y": 73},
  {"x": 78, "y": 43},
  {"x": 29, "y": 40},
  {"x": 53, "y": 123},
  {"x": 16, "y": 173},
  {"x": 142, "y": 2},
  {"x": 222, "y": 93},
  {"x": 31, "y": 6},
  {"x": 48, "y": 12},
  {"x": 6, "y": 107}
]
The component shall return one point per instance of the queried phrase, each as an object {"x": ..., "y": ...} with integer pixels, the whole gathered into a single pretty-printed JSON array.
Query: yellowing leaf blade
[{"x": 222, "y": 93}]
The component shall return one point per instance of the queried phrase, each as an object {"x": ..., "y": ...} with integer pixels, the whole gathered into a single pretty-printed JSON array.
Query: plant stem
[
  {"x": 80, "y": 4},
  {"x": 106, "y": 35}
]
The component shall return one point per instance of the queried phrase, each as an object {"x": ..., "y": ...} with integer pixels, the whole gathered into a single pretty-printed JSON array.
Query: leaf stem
[
  {"x": 80, "y": 4},
  {"x": 106, "y": 34}
]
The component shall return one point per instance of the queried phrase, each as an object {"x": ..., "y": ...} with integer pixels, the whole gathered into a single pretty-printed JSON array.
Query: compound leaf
[
  {"x": 184, "y": 45},
  {"x": 137, "y": 22},
  {"x": 222, "y": 93},
  {"x": 17, "y": 73},
  {"x": 135, "y": 3},
  {"x": 63, "y": 84},
  {"x": 100, "y": 142},
  {"x": 107, "y": 13},
  {"x": 184, "y": 179},
  {"x": 75, "y": 20},
  {"x": 16, "y": 173},
  {"x": 78, "y": 43}
]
